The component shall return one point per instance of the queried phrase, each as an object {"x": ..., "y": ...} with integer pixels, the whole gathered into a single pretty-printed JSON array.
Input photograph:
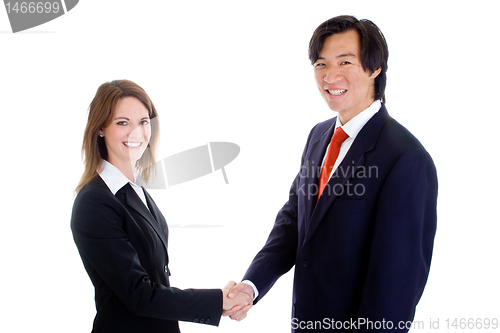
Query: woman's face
[{"x": 128, "y": 134}]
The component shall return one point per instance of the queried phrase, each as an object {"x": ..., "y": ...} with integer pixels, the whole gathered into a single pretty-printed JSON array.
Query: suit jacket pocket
[{"x": 351, "y": 203}]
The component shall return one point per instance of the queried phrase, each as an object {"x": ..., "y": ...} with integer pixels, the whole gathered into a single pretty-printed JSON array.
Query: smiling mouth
[
  {"x": 132, "y": 144},
  {"x": 337, "y": 92}
]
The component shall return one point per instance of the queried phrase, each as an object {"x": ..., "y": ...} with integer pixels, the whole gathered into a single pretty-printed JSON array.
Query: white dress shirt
[
  {"x": 115, "y": 180},
  {"x": 352, "y": 128}
]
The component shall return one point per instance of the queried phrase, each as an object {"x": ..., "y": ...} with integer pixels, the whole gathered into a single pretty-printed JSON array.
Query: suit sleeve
[
  {"x": 110, "y": 259},
  {"x": 403, "y": 236},
  {"x": 278, "y": 255}
]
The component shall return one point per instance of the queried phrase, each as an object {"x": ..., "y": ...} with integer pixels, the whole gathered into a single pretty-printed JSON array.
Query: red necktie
[{"x": 338, "y": 137}]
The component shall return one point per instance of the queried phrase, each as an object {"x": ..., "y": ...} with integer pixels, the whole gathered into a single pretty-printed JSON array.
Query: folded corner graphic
[
  {"x": 194, "y": 163},
  {"x": 28, "y": 14}
]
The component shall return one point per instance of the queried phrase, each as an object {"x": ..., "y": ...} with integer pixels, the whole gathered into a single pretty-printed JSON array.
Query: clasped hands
[{"x": 237, "y": 299}]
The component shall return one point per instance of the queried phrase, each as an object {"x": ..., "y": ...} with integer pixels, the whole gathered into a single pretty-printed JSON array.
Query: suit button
[
  {"x": 207, "y": 321},
  {"x": 195, "y": 320},
  {"x": 202, "y": 320},
  {"x": 166, "y": 269},
  {"x": 305, "y": 263}
]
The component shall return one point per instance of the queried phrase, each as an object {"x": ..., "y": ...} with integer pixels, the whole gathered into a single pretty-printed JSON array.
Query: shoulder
[
  {"x": 95, "y": 190},
  {"x": 326, "y": 124},
  {"x": 395, "y": 131},
  {"x": 397, "y": 138},
  {"x": 321, "y": 128},
  {"x": 387, "y": 141},
  {"x": 94, "y": 203},
  {"x": 405, "y": 149}
]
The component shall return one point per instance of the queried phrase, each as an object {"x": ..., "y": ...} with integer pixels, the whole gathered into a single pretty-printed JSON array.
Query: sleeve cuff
[{"x": 250, "y": 283}]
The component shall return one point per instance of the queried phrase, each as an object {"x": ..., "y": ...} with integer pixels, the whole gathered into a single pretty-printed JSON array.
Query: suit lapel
[
  {"x": 353, "y": 159},
  {"x": 313, "y": 168},
  {"x": 129, "y": 198},
  {"x": 154, "y": 210},
  {"x": 364, "y": 142}
]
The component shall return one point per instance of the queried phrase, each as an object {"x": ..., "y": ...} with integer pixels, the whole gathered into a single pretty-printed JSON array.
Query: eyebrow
[
  {"x": 343, "y": 55},
  {"x": 129, "y": 119}
]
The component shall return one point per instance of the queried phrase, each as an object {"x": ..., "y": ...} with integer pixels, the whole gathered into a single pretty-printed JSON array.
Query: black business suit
[
  {"x": 123, "y": 246},
  {"x": 363, "y": 250}
]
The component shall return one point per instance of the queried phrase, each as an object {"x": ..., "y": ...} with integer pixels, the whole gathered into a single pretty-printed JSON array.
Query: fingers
[
  {"x": 229, "y": 285},
  {"x": 241, "y": 287},
  {"x": 232, "y": 311},
  {"x": 237, "y": 300},
  {"x": 243, "y": 299},
  {"x": 241, "y": 314},
  {"x": 228, "y": 303}
]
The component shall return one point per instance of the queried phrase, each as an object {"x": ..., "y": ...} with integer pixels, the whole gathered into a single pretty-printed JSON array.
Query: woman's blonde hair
[{"x": 100, "y": 116}]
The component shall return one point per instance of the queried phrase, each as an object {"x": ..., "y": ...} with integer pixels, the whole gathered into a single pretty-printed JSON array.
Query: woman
[{"x": 119, "y": 231}]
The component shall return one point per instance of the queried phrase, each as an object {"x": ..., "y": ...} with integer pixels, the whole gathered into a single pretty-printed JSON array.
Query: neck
[{"x": 347, "y": 115}]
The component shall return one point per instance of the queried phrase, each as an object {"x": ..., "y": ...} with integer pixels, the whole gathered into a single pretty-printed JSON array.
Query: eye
[
  {"x": 345, "y": 63},
  {"x": 122, "y": 123},
  {"x": 145, "y": 122}
]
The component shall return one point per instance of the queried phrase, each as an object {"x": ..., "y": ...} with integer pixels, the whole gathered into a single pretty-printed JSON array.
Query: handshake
[{"x": 237, "y": 299}]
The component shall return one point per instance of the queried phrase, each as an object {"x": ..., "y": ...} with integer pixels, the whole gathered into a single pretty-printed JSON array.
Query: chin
[{"x": 335, "y": 108}]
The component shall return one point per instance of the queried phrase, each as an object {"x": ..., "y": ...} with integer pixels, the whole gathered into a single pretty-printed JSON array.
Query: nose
[
  {"x": 136, "y": 132},
  {"x": 331, "y": 76}
]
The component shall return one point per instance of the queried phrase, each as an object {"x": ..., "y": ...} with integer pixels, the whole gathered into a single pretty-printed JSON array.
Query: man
[{"x": 360, "y": 221}]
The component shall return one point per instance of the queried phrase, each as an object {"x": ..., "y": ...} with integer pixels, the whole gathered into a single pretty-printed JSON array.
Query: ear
[
  {"x": 101, "y": 132},
  {"x": 376, "y": 73}
]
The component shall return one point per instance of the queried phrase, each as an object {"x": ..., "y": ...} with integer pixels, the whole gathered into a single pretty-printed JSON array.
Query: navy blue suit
[
  {"x": 362, "y": 252},
  {"x": 123, "y": 246}
]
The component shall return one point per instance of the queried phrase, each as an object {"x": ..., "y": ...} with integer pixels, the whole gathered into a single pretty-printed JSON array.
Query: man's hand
[
  {"x": 239, "y": 312},
  {"x": 234, "y": 302}
]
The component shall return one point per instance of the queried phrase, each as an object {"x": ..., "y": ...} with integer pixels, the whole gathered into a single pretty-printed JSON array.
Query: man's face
[{"x": 341, "y": 80}]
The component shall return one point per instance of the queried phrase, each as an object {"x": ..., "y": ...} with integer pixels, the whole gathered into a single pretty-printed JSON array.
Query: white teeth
[
  {"x": 337, "y": 92},
  {"x": 132, "y": 144}
]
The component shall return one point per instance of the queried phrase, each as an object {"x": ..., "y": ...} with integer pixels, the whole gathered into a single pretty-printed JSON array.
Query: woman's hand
[{"x": 240, "y": 301}]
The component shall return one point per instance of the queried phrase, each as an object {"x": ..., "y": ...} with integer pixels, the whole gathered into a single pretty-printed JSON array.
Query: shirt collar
[
  {"x": 355, "y": 125},
  {"x": 115, "y": 179}
]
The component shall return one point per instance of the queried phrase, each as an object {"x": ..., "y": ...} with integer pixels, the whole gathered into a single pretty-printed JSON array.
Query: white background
[{"x": 238, "y": 72}]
